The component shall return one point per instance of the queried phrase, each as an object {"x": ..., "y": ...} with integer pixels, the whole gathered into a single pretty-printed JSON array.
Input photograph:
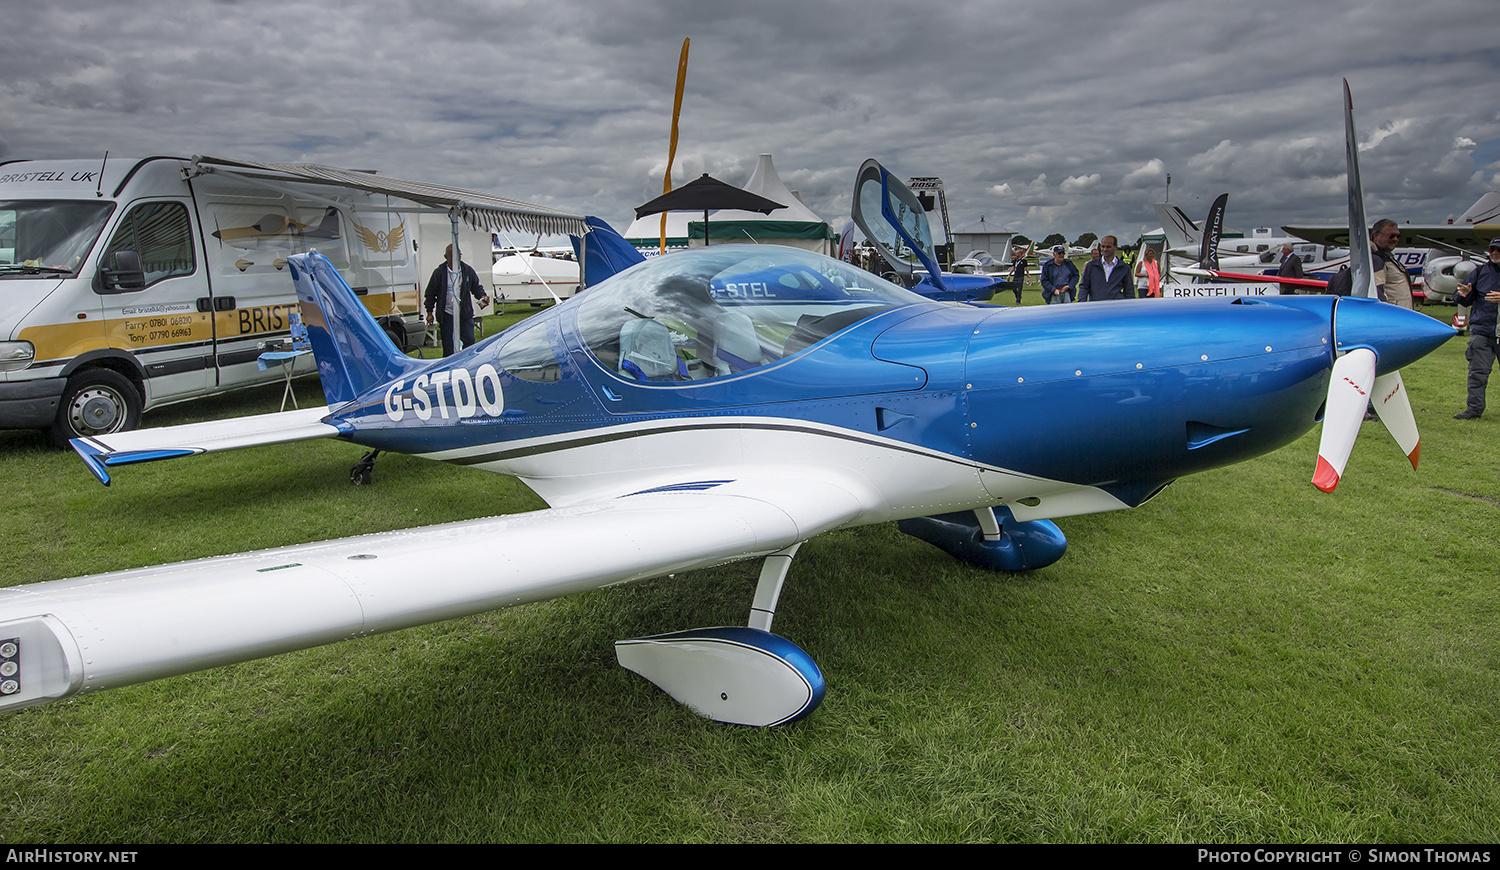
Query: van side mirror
[{"x": 123, "y": 274}]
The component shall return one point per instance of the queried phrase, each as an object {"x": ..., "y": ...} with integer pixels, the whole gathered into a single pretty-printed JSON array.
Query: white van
[{"x": 131, "y": 283}]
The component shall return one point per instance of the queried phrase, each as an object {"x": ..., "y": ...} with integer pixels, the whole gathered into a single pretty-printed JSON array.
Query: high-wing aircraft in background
[
  {"x": 722, "y": 403},
  {"x": 1442, "y": 248},
  {"x": 1471, "y": 231},
  {"x": 1259, "y": 254},
  {"x": 1322, "y": 250}
]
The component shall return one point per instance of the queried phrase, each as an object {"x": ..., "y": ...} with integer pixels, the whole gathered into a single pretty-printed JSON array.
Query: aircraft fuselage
[{"x": 991, "y": 405}]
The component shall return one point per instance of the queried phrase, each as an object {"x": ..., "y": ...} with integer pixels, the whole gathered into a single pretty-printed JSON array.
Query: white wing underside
[{"x": 130, "y": 626}]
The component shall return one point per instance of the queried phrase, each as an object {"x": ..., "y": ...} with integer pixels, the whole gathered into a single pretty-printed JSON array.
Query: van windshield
[{"x": 48, "y": 238}]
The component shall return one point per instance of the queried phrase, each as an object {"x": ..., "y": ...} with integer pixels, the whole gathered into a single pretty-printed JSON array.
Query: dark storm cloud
[{"x": 1064, "y": 116}]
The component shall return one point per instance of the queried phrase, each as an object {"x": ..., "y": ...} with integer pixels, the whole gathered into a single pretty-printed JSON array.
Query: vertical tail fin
[
  {"x": 1179, "y": 229},
  {"x": 353, "y": 353},
  {"x": 328, "y": 228},
  {"x": 1484, "y": 211},
  {"x": 604, "y": 252}
]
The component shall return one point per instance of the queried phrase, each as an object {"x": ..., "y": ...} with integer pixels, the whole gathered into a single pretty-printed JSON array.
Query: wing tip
[{"x": 91, "y": 457}]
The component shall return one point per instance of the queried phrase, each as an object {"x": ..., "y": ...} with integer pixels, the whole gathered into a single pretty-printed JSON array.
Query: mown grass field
[{"x": 1244, "y": 659}]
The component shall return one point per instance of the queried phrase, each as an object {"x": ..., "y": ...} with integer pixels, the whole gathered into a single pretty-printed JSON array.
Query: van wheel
[{"x": 96, "y": 402}]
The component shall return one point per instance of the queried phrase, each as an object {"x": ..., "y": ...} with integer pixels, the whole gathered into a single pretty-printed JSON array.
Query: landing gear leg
[
  {"x": 362, "y": 471},
  {"x": 768, "y": 590},
  {"x": 739, "y": 674}
]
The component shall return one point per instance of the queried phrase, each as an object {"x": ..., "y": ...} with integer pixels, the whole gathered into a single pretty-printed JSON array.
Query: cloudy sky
[{"x": 1059, "y": 116}]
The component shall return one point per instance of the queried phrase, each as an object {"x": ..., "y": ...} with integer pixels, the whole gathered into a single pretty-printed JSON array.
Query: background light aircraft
[
  {"x": 1260, "y": 254},
  {"x": 1442, "y": 248},
  {"x": 1472, "y": 230},
  {"x": 1184, "y": 237},
  {"x": 526, "y": 276},
  {"x": 728, "y": 402}
]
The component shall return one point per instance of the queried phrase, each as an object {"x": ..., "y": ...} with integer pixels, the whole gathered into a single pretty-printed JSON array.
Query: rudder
[
  {"x": 354, "y": 354},
  {"x": 604, "y": 252}
]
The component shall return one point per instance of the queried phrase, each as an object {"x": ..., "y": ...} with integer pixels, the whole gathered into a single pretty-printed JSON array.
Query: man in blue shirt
[
  {"x": 1107, "y": 277},
  {"x": 1059, "y": 277},
  {"x": 1483, "y": 294}
]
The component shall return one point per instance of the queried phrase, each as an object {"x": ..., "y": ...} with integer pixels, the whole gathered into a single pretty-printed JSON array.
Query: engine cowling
[{"x": 1442, "y": 275}]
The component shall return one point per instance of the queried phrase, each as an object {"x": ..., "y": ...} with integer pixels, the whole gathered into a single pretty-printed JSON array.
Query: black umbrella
[{"x": 707, "y": 193}]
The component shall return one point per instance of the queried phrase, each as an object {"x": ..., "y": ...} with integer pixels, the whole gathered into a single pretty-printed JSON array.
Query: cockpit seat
[
  {"x": 646, "y": 352},
  {"x": 737, "y": 347}
]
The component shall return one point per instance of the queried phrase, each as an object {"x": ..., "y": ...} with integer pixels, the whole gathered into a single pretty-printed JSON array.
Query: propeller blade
[
  {"x": 1348, "y": 396},
  {"x": 1394, "y": 408}
]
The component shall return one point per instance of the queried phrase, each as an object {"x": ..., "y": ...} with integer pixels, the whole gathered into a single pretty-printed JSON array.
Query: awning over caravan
[{"x": 482, "y": 211}]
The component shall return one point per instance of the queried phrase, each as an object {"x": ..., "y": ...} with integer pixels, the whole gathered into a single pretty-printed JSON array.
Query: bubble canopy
[{"x": 722, "y": 310}]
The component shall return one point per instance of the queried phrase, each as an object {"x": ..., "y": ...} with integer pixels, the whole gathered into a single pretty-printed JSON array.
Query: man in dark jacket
[
  {"x": 1107, "y": 277},
  {"x": 438, "y": 298},
  {"x": 1059, "y": 277},
  {"x": 1018, "y": 272},
  {"x": 1482, "y": 293},
  {"x": 1291, "y": 267}
]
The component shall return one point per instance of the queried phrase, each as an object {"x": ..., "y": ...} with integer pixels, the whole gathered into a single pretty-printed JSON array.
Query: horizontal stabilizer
[{"x": 103, "y": 452}]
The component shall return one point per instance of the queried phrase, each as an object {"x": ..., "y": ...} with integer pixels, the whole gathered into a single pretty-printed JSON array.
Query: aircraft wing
[
  {"x": 102, "y": 452},
  {"x": 146, "y": 623},
  {"x": 1473, "y": 237}
]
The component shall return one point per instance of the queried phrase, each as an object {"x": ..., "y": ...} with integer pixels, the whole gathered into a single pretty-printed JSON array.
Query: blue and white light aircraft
[{"x": 724, "y": 403}]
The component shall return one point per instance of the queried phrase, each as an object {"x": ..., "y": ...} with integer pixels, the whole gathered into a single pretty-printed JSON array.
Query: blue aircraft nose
[{"x": 1398, "y": 336}]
